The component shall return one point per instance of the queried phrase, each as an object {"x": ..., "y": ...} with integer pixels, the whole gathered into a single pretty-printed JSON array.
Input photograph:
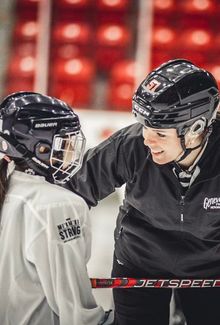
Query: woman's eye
[{"x": 161, "y": 135}]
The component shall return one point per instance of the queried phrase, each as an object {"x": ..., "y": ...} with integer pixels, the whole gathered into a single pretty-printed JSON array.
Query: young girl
[{"x": 45, "y": 232}]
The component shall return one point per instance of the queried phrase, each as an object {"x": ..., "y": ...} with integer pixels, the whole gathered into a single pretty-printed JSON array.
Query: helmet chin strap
[{"x": 187, "y": 151}]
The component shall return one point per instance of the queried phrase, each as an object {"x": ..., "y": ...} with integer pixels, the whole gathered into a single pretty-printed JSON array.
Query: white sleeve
[{"x": 60, "y": 253}]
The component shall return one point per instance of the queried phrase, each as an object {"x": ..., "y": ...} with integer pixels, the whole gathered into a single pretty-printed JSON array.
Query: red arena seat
[
  {"x": 20, "y": 73},
  {"x": 73, "y": 10},
  {"x": 74, "y": 4},
  {"x": 112, "y": 11},
  {"x": 216, "y": 45},
  {"x": 164, "y": 36},
  {"x": 23, "y": 67},
  {"x": 24, "y": 49},
  {"x": 198, "y": 6},
  {"x": 112, "y": 5},
  {"x": 124, "y": 71},
  {"x": 71, "y": 39},
  {"x": 76, "y": 95},
  {"x": 72, "y": 80},
  {"x": 198, "y": 14},
  {"x": 67, "y": 51},
  {"x": 197, "y": 39},
  {"x": 27, "y": 9},
  {"x": 164, "y": 6},
  {"x": 121, "y": 85},
  {"x": 78, "y": 69},
  {"x": 26, "y": 30},
  {"x": 112, "y": 45},
  {"x": 165, "y": 12},
  {"x": 68, "y": 32},
  {"x": 120, "y": 96}
]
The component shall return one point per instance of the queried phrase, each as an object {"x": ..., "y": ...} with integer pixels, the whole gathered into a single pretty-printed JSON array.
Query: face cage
[{"x": 66, "y": 155}]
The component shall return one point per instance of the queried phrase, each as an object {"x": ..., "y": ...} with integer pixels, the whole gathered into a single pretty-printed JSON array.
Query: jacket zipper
[{"x": 182, "y": 203}]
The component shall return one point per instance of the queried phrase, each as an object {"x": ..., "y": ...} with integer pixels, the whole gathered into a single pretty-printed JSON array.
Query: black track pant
[{"x": 151, "y": 306}]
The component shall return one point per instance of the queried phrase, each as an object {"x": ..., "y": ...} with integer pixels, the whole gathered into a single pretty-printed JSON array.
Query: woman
[
  {"x": 169, "y": 223},
  {"x": 45, "y": 232}
]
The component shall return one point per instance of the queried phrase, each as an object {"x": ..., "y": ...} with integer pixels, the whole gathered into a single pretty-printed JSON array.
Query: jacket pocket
[
  {"x": 211, "y": 226},
  {"x": 123, "y": 214}
]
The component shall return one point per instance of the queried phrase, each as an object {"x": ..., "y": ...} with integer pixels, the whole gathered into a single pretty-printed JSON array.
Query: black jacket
[{"x": 158, "y": 231}]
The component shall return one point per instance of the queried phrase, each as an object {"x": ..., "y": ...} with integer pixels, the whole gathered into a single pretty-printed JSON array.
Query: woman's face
[{"x": 164, "y": 144}]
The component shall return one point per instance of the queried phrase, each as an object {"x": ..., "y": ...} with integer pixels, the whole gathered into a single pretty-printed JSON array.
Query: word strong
[{"x": 69, "y": 230}]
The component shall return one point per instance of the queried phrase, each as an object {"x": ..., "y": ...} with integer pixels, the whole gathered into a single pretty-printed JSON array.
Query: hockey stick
[{"x": 153, "y": 283}]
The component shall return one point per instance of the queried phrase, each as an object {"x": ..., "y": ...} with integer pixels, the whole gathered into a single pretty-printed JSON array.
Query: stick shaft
[{"x": 153, "y": 283}]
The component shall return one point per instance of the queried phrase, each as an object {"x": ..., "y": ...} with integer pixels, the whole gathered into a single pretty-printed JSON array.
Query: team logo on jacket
[
  {"x": 211, "y": 203},
  {"x": 69, "y": 230}
]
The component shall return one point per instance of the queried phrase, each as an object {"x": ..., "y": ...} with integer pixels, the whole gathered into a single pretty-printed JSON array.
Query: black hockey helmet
[
  {"x": 44, "y": 132},
  {"x": 177, "y": 94}
]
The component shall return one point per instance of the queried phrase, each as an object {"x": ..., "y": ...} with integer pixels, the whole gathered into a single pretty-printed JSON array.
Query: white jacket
[{"x": 45, "y": 244}]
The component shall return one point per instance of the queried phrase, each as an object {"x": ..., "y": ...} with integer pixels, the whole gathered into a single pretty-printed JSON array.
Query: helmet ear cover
[
  {"x": 43, "y": 150},
  {"x": 198, "y": 127}
]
